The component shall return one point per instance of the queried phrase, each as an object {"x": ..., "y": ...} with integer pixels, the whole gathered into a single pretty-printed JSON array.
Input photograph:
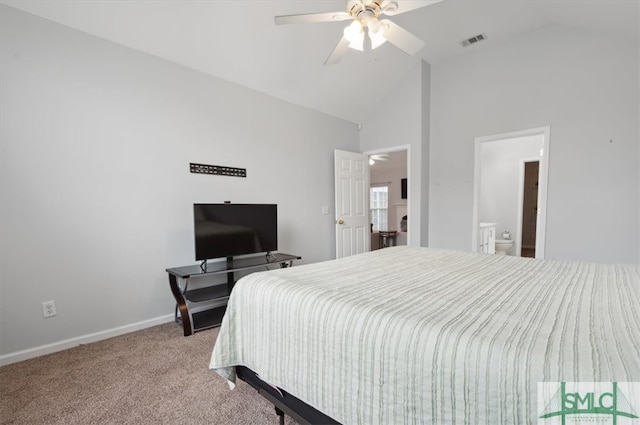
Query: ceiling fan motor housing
[{"x": 362, "y": 9}]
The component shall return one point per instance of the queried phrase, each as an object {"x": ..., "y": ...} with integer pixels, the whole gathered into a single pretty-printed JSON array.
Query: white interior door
[{"x": 352, "y": 203}]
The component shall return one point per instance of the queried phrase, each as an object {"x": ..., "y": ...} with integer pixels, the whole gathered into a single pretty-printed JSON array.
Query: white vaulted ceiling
[{"x": 237, "y": 40}]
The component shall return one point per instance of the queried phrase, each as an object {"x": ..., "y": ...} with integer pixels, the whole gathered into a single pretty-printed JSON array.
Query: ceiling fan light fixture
[
  {"x": 376, "y": 34},
  {"x": 354, "y": 33},
  {"x": 366, "y": 14}
]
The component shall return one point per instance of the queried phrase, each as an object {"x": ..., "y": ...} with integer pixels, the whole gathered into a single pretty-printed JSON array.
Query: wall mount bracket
[{"x": 217, "y": 170}]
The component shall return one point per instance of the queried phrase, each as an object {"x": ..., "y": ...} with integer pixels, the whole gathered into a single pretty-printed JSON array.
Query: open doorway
[
  {"x": 389, "y": 197},
  {"x": 516, "y": 215}
]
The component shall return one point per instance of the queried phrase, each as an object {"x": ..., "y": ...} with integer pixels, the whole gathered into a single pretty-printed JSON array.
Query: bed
[{"x": 422, "y": 335}]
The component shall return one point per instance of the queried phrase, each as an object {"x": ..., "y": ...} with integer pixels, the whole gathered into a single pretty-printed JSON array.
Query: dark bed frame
[{"x": 284, "y": 402}]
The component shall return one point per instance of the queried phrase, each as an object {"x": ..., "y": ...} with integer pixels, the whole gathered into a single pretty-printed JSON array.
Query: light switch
[{"x": 325, "y": 210}]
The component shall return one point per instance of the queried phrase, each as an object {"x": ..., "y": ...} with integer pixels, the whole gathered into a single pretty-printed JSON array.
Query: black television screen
[{"x": 225, "y": 230}]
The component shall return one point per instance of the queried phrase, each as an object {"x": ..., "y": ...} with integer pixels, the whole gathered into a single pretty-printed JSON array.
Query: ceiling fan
[
  {"x": 366, "y": 14},
  {"x": 378, "y": 157}
]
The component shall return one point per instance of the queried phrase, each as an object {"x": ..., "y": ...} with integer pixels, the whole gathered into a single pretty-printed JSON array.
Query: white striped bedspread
[{"x": 426, "y": 336}]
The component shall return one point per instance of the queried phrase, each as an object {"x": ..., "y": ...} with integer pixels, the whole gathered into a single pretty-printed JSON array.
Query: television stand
[
  {"x": 203, "y": 264},
  {"x": 204, "y": 307}
]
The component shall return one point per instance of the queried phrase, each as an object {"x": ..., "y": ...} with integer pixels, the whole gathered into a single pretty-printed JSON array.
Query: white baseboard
[{"x": 30, "y": 353}]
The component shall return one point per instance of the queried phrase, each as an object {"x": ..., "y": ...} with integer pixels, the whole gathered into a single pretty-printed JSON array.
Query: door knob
[{"x": 340, "y": 221}]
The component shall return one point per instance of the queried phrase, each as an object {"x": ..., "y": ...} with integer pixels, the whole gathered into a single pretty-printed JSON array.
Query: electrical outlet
[{"x": 48, "y": 308}]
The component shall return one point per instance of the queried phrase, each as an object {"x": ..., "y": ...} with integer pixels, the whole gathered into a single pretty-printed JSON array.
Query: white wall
[
  {"x": 398, "y": 122},
  {"x": 96, "y": 194},
  {"x": 425, "y": 169},
  {"x": 585, "y": 86},
  {"x": 500, "y": 184}
]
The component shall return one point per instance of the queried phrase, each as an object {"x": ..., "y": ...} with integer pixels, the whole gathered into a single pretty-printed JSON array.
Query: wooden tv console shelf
[{"x": 204, "y": 307}]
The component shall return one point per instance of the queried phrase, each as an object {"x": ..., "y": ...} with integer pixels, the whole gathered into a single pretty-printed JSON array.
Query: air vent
[{"x": 473, "y": 40}]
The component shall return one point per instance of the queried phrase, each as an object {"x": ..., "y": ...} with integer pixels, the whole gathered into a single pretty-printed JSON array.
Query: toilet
[{"x": 503, "y": 245}]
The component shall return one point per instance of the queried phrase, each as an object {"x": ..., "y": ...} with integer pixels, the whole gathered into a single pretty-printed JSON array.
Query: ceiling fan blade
[
  {"x": 339, "y": 52},
  {"x": 312, "y": 17},
  {"x": 401, "y": 38},
  {"x": 404, "y": 6}
]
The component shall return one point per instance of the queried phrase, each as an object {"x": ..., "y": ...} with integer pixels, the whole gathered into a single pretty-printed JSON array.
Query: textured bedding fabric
[{"x": 420, "y": 335}]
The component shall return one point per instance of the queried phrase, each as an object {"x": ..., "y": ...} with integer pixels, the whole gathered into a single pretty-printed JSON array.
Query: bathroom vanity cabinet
[{"x": 487, "y": 238}]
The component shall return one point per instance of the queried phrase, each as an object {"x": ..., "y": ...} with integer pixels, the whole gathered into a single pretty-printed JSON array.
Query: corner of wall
[{"x": 425, "y": 140}]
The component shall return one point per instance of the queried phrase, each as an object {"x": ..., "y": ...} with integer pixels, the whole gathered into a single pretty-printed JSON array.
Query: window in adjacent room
[{"x": 379, "y": 199}]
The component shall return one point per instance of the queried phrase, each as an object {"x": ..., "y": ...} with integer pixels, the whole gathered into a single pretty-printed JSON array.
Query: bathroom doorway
[{"x": 499, "y": 189}]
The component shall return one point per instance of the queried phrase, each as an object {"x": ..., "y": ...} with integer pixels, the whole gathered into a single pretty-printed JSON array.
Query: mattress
[{"x": 421, "y": 335}]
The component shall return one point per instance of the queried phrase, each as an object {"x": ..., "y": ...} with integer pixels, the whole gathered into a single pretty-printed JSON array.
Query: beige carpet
[{"x": 153, "y": 376}]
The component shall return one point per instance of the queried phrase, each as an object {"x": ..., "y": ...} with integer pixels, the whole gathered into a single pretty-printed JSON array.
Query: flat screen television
[{"x": 226, "y": 230}]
